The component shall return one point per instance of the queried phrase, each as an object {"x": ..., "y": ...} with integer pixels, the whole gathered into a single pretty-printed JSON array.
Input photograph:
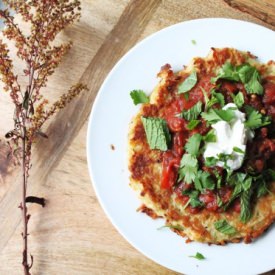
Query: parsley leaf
[
  {"x": 193, "y": 124},
  {"x": 215, "y": 115},
  {"x": 188, "y": 168},
  {"x": 238, "y": 99},
  {"x": 138, "y": 96},
  {"x": 193, "y": 144},
  {"x": 198, "y": 256},
  {"x": 188, "y": 83},
  {"x": 224, "y": 227},
  {"x": 192, "y": 113},
  {"x": 255, "y": 119},
  {"x": 157, "y": 133}
]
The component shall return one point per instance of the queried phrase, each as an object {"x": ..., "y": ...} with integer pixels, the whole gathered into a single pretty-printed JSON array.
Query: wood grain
[
  {"x": 72, "y": 234},
  {"x": 262, "y": 9}
]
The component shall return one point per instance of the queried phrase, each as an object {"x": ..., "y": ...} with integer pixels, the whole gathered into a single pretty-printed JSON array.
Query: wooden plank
[
  {"x": 72, "y": 235},
  {"x": 262, "y": 9}
]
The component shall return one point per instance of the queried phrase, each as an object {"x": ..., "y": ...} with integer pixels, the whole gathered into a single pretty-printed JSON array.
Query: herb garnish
[
  {"x": 193, "y": 144},
  {"x": 215, "y": 115},
  {"x": 255, "y": 119},
  {"x": 245, "y": 73},
  {"x": 188, "y": 168},
  {"x": 224, "y": 227},
  {"x": 188, "y": 83},
  {"x": 238, "y": 99},
  {"x": 157, "y": 133},
  {"x": 139, "y": 96},
  {"x": 198, "y": 256},
  {"x": 193, "y": 112},
  {"x": 193, "y": 124}
]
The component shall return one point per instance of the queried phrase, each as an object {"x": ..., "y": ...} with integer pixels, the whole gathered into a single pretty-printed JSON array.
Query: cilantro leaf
[
  {"x": 238, "y": 99},
  {"x": 177, "y": 227},
  {"x": 215, "y": 115},
  {"x": 188, "y": 168},
  {"x": 228, "y": 72},
  {"x": 157, "y": 133},
  {"x": 245, "y": 73},
  {"x": 216, "y": 98},
  {"x": 253, "y": 86},
  {"x": 255, "y": 119},
  {"x": 210, "y": 136},
  {"x": 198, "y": 256},
  {"x": 188, "y": 83},
  {"x": 246, "y": 212},
  {"x": 193, "y": 198},
  {"x": 210, "y": 161},
  {"x": 238, "y": 150},
  {"x": 193, "y": 144},
  {"x": 193, "y": 124},
  {"x": 224, "y": 227},
  {"x": 139, "y": 96},
  {"x": 193, "y": 112},
  {"x": 204, "y": 181}
]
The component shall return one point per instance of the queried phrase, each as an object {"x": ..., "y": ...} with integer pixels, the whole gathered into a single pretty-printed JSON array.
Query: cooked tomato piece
[
  {"x": 176, "y": 124},
  {"x": 209, "y": 199},
  {"x": 170, "y": 166},
  {"x": 269, "y": 94},
  {"x": 179, "y": 140}
]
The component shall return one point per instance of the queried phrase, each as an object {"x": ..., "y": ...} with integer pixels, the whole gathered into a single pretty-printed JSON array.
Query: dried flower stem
[{"x": 46, "y": 19}]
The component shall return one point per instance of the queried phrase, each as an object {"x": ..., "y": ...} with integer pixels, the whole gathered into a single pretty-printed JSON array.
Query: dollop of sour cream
[{"x": 229, "y": 136}]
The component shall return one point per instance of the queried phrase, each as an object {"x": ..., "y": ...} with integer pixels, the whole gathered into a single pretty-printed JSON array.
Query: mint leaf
[
  {"x": 215, "y": 115},
  {"x": 192, "y": 113},
  {"x": 193, "y": 124},
  {"x": 198, "y": 256},
  {"x": 238, "y": 99},
  {"x": 224, "y": 227},
  {"x": 246, "y": 212},
  {"x": 157, "y": 133},
  {"x": 255, "y": 119},
  {"x": 188, "y": 168},
  {"x": 253, "y": 86},
  {"x": 139, "y": 96},
  {"x": 188, "y": 83},
  {"x": 193, "y": 144}
]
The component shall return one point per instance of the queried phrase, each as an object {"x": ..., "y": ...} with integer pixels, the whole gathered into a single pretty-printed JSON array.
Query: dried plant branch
[{"x": 41, "y": 56}]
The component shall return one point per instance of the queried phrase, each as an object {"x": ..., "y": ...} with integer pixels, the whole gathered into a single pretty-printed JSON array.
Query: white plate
[{"x": 111, "y": 114}]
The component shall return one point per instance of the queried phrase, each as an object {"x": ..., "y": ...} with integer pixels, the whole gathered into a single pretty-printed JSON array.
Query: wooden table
[{"x": 72, "y": 235}]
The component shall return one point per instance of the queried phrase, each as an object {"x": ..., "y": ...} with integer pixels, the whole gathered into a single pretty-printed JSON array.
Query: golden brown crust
[{"x": 145, "y": 165}]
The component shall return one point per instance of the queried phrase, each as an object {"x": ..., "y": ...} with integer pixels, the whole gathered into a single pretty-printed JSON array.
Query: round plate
[{"x": 108, "y": 125}]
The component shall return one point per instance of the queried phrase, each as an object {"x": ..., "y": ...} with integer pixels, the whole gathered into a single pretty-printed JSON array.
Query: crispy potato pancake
[{"x": 145, "y": 164}]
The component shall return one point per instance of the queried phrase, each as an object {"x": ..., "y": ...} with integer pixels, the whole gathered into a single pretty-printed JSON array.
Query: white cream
[{"x": 229, "y": 135}]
